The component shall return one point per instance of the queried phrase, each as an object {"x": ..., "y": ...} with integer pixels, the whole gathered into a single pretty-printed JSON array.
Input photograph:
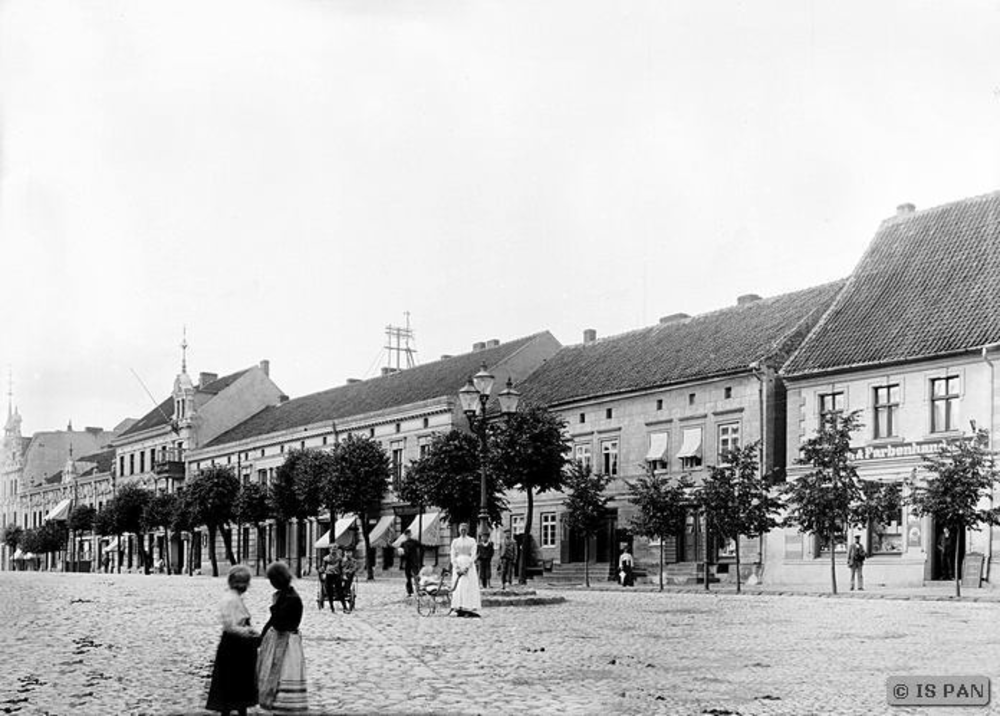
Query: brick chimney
[
  {"x": 747, "y": 298},
  {"x": 352, "y": 381},
  {"x": 589, "y": 335},
  {"x": 265, "y": 365},
  {"x": 905, "y": 209},
  {"x": 206, "y": 378},
  {"x": 478, "y": 346},
  {"x": 446, "y": 356},
  {"x": 674, "y": 318},
  {"x": 493, "y": 343}
]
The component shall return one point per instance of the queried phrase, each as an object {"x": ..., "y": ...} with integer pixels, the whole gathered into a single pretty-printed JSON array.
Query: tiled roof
[
  {"x": 100, "y": 462},
  {"x": 928, "y": 285},
  {"x": 717, "y": 343},
  {"x": 413, "y": 385},
  {"x": 160, "y": 415},
  {"x": 48, "y": 451}
]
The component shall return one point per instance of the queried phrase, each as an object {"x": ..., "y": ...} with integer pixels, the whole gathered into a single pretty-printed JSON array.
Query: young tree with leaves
[
  {"x": 359, "y": 480},
  {"x": 211, "y": 496},
  {"x": 662, "y": 506},
  {"x": 106, "y": 524},
  {"x": 528, "y": 452},
  {"x": 81, "y": 519},
  {"x": 129, "y": 505},
  {"x": 253, "y": 507},
  {"x": 12, "y": 536},
  {"x": 823, "y": 501},
  {"x": 585, "y": 504},
  {"x": 298, "y": 492},
  {"x": 736, "y": 500},
  {"x": 962, "y": 477},
  {"x": 184, "y": 520},
  {"x": 159, "y": 514}
]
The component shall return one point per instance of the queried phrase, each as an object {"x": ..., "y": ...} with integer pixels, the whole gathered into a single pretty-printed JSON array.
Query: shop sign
[{"x": 883, "y": 452}]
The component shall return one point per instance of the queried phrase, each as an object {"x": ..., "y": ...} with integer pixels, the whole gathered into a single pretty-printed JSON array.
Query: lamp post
[{"x": 474, "y": 396}]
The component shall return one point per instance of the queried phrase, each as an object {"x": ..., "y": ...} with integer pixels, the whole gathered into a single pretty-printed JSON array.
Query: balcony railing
[{"x": 170, "y": 463}]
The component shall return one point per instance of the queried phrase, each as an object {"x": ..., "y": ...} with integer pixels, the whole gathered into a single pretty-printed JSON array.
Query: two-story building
[
  {"x": 911, "y": 343},
  {"x": 668, "y": 398},
  {"x": 401, "y": 409}
]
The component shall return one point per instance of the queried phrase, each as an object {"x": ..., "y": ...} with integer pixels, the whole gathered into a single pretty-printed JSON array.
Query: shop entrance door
[
  {"x": 944, "y": 552},
  {"x": 607, "y": 550}
]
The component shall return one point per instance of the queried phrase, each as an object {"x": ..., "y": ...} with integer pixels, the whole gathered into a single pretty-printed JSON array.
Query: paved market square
[{"x": 116, "y": 644}]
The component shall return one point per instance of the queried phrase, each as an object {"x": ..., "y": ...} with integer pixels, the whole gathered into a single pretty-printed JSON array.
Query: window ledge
[
  {"x": 878, "y": 442},
  {"x": 944, "y": 435}
]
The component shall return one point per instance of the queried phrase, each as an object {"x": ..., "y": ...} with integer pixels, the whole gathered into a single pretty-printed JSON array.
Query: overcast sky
[{"x": 287, "y": 178}]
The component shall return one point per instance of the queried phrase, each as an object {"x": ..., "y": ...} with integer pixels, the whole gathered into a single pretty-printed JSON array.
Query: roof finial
[
  {"x": 184, "y": 347},
  {"x": 10, "y": 391}
]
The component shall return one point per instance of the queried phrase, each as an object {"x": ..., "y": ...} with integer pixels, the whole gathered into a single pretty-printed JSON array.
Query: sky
[{"x": 284, "y": 179}]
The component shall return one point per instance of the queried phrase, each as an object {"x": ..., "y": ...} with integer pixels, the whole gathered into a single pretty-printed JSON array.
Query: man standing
[
  {"x": 856, "y": 561},
  {"x": 485, "y": 558},
  {"x": 411, "y": 560},
  {"x": 508, "y": 558}
]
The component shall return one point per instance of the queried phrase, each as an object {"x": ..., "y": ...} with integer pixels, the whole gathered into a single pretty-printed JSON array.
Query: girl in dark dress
[
  {"x": 281, "y": 668},
  {"x": 234, "y": 676}
]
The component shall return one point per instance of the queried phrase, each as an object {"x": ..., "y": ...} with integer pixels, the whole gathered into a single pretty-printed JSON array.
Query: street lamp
[{"x": 474, "y": 396}]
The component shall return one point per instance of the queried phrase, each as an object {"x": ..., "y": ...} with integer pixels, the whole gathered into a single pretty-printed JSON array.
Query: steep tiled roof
[
  {"x": 97, "y": 462},
  {"x": 48, "y": 451},
  {"x": 413, "y": 385},
  {"x": 160, "y": 415},
  {"x": 716, "y": 343},
  {"x": 928, "y": 285}
]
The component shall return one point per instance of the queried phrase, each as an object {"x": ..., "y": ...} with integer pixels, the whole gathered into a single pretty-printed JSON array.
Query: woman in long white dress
[{"x": 465, "y": 599}]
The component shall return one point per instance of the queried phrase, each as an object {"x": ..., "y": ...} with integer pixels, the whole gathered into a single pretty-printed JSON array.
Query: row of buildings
[{"x": 910, "y": 339}]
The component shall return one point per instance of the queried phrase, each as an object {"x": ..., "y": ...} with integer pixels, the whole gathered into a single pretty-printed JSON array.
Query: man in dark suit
[{"x": 411, "y": 560}]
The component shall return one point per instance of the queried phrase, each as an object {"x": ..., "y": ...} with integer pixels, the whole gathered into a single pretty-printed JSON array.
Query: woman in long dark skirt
[
  {"x": 281, "y": 668},
  {"x": 234, "y": 676}
]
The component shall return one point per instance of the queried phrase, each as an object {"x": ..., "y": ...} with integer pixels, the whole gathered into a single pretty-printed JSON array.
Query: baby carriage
[{"x": 433, "y": 591}]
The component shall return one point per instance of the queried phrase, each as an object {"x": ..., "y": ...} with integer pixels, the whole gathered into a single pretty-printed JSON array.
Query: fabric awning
[
  {"x": 60, "y": 511},
  {"x": 18, "y": 554},
  {"x": 429, "y": 536},
  {"x": 379, "y": 532},
  {"x": 113, "y": 544},
  {"x": 341, "y": 535},
  {"x": 657, "y": 447},
  {"x": 323, "y": 542},
  {"x": 692, "y": 443}
]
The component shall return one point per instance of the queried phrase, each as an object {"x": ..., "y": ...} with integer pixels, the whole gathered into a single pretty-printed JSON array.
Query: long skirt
[
  {"x": 465, "y": 591},
  {"x": 234, "y": 676},
  {"x": 281, "y": 673}
]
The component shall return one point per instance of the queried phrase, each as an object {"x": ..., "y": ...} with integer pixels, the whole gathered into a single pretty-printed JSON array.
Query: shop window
[
  {"x": 831, "y": 406},
  {"x": 582, "y": 454},
  {"x": 886, "y": 401},
  {"x": 729, "y": 439},
  {"x": 944, "y": 404},
  {"x": 823, "y": 545},
  {"x": 609, "y": 457},
  {"x": 548, "y": 529},
  {"x": 886, "y": 538}
]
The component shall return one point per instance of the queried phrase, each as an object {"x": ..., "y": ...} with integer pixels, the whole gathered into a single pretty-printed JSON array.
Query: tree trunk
[
  {"x": 586, "y": 561},
  {"x": 298, "y": 548},
  {"x": 256, "y": 561},
  {"x": 833, "y": 563},
  {"x": 166, "y": 546},
  {"x": 227, "y": 543},
  {"x": 211, "y": 549},
  {"x": 958, "y": 567},
  {"x": 526, "y": 539},
  {"x": 737, "y": 563},
  {"x": 662, "y": 540}
]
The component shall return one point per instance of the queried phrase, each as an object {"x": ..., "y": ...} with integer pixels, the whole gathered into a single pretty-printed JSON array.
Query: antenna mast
[{"x": 398, "y": 348}]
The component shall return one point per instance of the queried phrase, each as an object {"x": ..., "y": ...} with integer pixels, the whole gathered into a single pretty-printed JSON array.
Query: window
[
  {"x": 324, "y": 439},
  {"x": 657, "y": 456},
  {"x": 131, "y": 464},
  {"x": 609, "y": 457},
  {"x": 831, "y": 405},
  {"x": 262, "y": 477},
  {"x": 659, "y": 403},
  {"x": 427, "y": 422},
  {"x": 121, "y": 465},
  {"x": 229, "y": 459},
  {"x": 583, "y": 417},
  {"x": 423, "y": 445},
  {"x": 517, "y": 524},
  {"x": 690, "y": 452},
  {"x": 142, "y": 461},
  {"x": 399, "y": 427},
  {"x": 548, "y": 529},
  {"x": 302, "y": 445},
  {"x": 886, "y": 399},
  {"x": 371, "y": 432},
  {"x": 727, "y": 393},
  {"x": 944, "y": 404},
  {"x": 581, "y": 453},
  {"x": 152, "y": 458},
  {"x": 839, "y": 545},
  {"x": 397, "y": 465},
  {"x": 729, "y": 438},
  {"x": 608, "y": 413},
  {"x": 262, "y": 452},
  {"x": 887, "y": 538},
  {"x": 691, "y": 397}
]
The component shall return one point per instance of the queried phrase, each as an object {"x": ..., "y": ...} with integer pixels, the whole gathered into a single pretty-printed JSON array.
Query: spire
[
  {"x": 10, "y": 392},
  {"x": 184, "y": 347}
]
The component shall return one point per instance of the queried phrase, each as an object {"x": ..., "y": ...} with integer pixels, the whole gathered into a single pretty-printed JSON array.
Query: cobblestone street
[{"x": 103, "y": 644}]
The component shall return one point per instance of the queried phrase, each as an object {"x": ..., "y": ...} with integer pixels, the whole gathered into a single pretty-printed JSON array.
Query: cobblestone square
[{"x": 110, "y": 644}]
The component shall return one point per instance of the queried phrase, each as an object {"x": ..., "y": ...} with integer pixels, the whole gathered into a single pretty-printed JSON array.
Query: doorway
[{"x": 945, "y": 564}]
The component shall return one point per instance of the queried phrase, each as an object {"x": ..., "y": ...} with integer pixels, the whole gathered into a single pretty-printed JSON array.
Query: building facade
[{"x": 911, "y": 344}]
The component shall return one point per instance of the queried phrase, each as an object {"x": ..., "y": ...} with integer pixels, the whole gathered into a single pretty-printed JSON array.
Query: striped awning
[{"x": 60, "y": 511}]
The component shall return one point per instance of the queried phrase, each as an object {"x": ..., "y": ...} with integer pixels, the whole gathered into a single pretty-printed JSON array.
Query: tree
[
  {"x": 299, "y": 490},
  {"x": 81, "y": 519},
  {"x": 105, "y": 522},
  {"x": 184, "y": 519},
  {"x": 159, "y": 514},
  {"x": 824, "y": 500},
  {"x": 360, "y": 478},
  {"x": 736, "y": 500},
  {"x": 32, "y": 541},
  {"x": 962, "y": 477},
  {"x": 585, "y": 506},
  {"x": 12, "y": 536},
  {"x": 210, "y": 496},
  {"x": 448, "y": 477},
  {"x": 527, "y": 451},
  {"x": 253, "y": 506},
  {"x": 52, "y": 536},
  {"x": 129, "y": 505},
  {"x": 662, "y": 505}
]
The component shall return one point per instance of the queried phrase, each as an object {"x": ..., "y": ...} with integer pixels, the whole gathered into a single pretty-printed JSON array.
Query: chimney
[
  {"x": 747, "y": 298},
  {"x": 265, "y": 365},
  {"x": 352, "y": 381},
  {"x": 674, "y": 318},
  {"x": 93, "y": 431},
  {"x": 589, "y": 335},
  {"x": 478, "y": 346},
  {"x": 446, "y": 356},
  {"x": 282, "y": 399},
  {"x": 905, "y": 209},
  {"x": 493, "y": 343},
  {"x": 389, "y": 370},
  {"x": 206, "y": 378}
]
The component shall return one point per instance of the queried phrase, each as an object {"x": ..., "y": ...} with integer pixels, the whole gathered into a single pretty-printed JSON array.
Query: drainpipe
[
  {"x": 758, "y": 371},
  {"x": 984, "y": 351}
]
